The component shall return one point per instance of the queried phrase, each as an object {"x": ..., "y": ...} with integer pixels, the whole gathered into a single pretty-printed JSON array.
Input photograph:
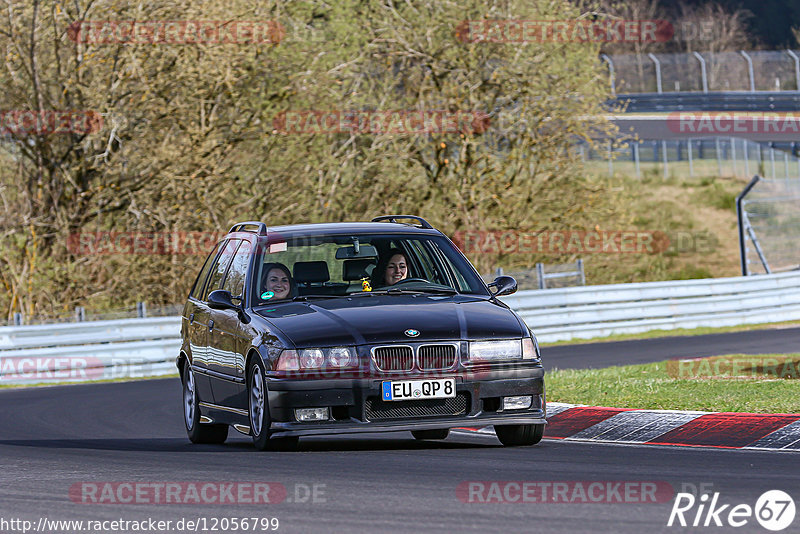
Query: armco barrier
[
  {"x": 89, "y": 350},
  {"x": 594, "y": 311},
  {"x": 148, "y": 347}
]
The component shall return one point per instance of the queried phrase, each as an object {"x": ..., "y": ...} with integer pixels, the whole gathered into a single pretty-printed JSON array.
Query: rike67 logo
[{"x": 774, "y": 510}]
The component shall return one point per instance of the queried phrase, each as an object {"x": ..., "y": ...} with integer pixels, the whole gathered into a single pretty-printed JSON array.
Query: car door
[
  {"x": 228, "y": 338},
  {"x": 197, "y": 317}
]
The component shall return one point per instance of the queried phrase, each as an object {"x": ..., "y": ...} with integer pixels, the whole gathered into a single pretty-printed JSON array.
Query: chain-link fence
[
  {"x": 545, "y": 276},
  {"x": 777, "y": 70},
  {"x": 694, "y": 157},
  {"x": 769, "y": 226}
]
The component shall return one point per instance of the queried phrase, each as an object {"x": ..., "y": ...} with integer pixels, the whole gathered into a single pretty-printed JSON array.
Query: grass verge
[{"x": 663, "y": 386}]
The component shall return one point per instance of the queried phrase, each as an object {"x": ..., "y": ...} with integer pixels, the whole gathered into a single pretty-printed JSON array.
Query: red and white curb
[{"x": 669, "y": 427}]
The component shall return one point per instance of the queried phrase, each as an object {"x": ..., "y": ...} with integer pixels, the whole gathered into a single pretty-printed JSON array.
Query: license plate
[{"x": 443, "y": 388}]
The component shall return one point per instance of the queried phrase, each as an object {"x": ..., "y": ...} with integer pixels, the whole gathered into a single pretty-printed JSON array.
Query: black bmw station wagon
[{"x": 341, "y": 328}]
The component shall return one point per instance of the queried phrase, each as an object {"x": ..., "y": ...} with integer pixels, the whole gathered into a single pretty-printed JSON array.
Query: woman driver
[
  {"x": 394, "y": 269},
  {"x": 278, "y": 281}
]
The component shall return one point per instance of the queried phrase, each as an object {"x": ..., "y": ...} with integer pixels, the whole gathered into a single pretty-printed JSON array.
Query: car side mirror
[
  {"x": 221, "y": 299},
  {"x": 506, "y": 285}
]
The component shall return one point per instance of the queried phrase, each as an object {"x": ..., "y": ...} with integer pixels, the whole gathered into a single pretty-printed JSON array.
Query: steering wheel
[{"x": 404, "y": 280}]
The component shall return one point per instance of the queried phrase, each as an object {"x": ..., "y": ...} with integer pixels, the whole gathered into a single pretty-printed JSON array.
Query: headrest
[
  {"x": 311, "y": 271},
  {"x": 357, "y": 269}
]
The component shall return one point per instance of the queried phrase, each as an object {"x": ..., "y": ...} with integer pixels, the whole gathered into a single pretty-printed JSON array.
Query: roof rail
[
  {"x": 260, "y": 227},
  {"x": 393, "y": 218}
]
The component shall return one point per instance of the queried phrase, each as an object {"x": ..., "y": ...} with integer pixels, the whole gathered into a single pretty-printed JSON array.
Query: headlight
[
  {"x": 529, "y": 351},
  {"x": 336, "y": 357},
  {"x": 340, "y": 357},
  {"x": 491, "y": 351},
  {"x": 312, "y": 358},
  {"x": 287, "y": 361}
]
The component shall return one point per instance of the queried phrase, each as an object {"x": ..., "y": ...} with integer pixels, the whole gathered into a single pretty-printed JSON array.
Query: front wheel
[
  {"x": 259, "y": 412},
  {"x": 519, "y": 435},
  {"x": 198, "y": 433},
  {"x": 438, "y": 433}
]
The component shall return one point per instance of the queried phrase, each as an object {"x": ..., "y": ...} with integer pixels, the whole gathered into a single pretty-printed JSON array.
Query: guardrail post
[
  {"x": 719, "y": 160},
  {"x": 785, "y": 165},
  {"x": 80, "y": 314},
  {"x": 664, "y": 151},
  {"x": 741, "y": 222},
  {"x": 703, "y": 72},
  {"x": 636, "y": 159},
  {"x": 540, "y": 275},
  {"x": 749, "y": 70},
  {"x": 17, "y": 319},
  {"x": 733, "y": 155},
  {"x": 583, "y": 274},
  {"x": 746, "y": 158},
  {"x": 498, "y": 272},
  {"x": 772, "y": 157},
  {"x": 796, "y": 69},
  {"x": 141, "y": 310},
  {"x": 655, "y": 60},
  {"x": 611, "y": 73}
]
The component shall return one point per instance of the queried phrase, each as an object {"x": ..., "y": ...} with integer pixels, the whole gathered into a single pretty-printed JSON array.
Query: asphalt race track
[{"x": 57, "y": 438}]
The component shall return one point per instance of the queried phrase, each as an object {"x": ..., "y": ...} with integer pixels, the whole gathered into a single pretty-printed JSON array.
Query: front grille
[
  {"x": 377, "y": 409},
  {"x": 394, "y": 358},
  {"x": 437, "y": 356}
]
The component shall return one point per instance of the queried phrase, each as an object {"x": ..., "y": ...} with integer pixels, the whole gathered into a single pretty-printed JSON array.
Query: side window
[
  {"x": 430, "y": 271},
  {"x": 234, "y": 280},
  {"x": 200, "y": 282},
  {"x": 220, "y": 267},
  {"x": 461, "y": 282}
]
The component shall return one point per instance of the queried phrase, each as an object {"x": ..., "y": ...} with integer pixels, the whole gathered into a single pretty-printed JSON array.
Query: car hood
[{"x": 380, "y": 319}]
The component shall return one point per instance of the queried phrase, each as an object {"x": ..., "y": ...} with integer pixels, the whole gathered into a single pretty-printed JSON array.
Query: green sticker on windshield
[{"x": 266, "y": 295}]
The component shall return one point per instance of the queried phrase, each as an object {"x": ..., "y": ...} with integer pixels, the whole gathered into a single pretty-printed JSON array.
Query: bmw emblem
[{"x": 411, "y": 332}]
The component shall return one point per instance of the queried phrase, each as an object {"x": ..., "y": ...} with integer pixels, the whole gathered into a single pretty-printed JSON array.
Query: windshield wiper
[
  {"x": 400, "y": 291},
  {"x": 306, "y": 297}
]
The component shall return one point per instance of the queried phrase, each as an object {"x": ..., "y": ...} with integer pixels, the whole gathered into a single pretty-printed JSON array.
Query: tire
[
  {"x": 438, "y": 433},
  {"x": 258, "y": 408},
  {"x": 198, "y": 432},
  {"x": 519, "y": 435}
]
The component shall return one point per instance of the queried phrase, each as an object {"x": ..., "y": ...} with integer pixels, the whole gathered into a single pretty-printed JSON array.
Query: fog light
[
  {"x": 311, "y": 414},
  {"x": 517, "y": 403}
]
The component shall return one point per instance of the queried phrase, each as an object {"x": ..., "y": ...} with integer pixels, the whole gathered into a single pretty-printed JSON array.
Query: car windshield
[{"x": 331, "y": 266}]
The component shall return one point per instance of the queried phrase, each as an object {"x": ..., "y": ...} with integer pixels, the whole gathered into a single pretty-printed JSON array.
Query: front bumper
[{"x": 348, "y": 399}]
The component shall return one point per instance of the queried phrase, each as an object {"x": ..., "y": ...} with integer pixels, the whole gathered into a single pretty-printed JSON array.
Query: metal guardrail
[
  {"x": 765, "y": 101},
  {"x": 596, "y": 311},
  {"x": 148, "y": 347},
  {"x": 98, "y": 350}
]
